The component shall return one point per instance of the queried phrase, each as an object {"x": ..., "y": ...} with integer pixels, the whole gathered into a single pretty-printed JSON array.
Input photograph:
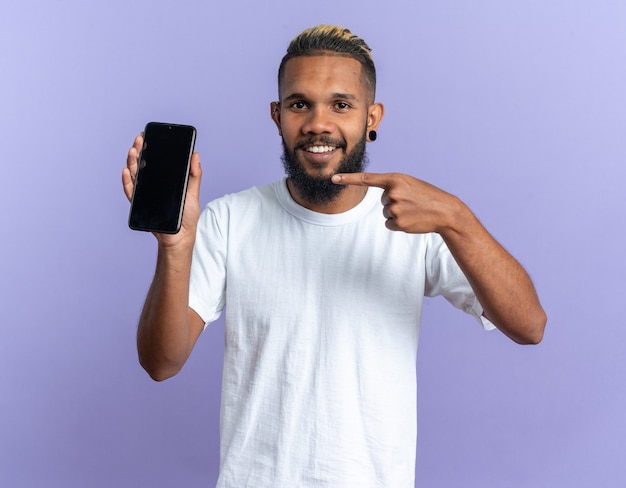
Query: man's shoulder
[
  {"x": 251, "y": 203},
  {"x": 252, "y": 195}
]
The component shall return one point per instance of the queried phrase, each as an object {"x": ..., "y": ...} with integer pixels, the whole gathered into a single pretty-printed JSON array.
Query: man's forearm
[
  {"x": 501, "y": 284},
  {"x": 164, "y": 338}
]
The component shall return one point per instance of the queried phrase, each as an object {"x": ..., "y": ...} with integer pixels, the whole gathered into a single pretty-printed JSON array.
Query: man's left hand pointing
[{"x": 410, "y": 205}]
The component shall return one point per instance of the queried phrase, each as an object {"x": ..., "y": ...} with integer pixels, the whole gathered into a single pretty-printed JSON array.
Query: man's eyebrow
[
  {"x": 334, "y": 96},
  {"x": 346, "y": 96},
  {"x": 295, "y": 96}
]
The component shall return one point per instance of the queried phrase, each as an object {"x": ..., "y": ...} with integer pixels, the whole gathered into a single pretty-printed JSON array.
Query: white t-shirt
[{"x": 322, "y": 324}]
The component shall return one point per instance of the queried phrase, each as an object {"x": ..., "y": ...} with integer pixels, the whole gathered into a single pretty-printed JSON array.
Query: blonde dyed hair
[{"x": 332, "y": 40}]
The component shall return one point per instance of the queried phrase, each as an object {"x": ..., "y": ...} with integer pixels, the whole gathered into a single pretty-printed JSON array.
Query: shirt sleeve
[
  {"x": 445, "y": 278},
  {"x": 207, "y": 286}
]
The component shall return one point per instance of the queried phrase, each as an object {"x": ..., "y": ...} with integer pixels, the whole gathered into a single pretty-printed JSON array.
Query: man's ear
[
  {"x": 275, "y": 114},
  {"x": 375, "y": 114}
]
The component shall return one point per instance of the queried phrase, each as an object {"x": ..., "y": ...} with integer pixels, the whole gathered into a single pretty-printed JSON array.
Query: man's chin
[{"x": 322, "y": 175}]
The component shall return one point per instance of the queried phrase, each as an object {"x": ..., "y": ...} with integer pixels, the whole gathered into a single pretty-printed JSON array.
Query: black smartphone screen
[{"x": 162, "y": 176}]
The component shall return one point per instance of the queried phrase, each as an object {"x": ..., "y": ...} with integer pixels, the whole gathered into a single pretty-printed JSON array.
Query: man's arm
[
  {"x": 168, "y": 328},
  {"x": 502, "y": 286},
  {"x": 500, "y": 283}
]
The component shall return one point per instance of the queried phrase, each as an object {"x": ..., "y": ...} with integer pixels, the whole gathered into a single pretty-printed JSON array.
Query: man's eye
[
  {"x": 298, "y": 105},
  {"x": 342, "y": 105}
]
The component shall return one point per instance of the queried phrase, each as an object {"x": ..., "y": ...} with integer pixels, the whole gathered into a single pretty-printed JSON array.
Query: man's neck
[{"x": 349, "y": 198}]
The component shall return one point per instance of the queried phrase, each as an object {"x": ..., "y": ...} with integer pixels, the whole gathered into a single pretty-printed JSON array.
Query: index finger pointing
[{"x": 362, "y": 179}]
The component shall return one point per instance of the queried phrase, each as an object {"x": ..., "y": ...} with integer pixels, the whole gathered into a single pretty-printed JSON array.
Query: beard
[{"x": 320, "y": 190}]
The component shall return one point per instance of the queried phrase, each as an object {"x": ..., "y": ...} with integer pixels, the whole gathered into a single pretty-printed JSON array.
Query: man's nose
[{"x": 319, "y": 121}]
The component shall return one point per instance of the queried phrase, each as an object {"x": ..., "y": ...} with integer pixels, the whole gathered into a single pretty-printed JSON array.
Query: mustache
[{"x": 321, "y": 140}]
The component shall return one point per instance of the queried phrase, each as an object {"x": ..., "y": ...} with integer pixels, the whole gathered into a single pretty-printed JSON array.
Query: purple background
[{"x": 517, "y": 107}]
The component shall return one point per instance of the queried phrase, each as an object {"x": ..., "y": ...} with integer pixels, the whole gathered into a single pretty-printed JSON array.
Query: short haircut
[{"x": 332, "y": 40}]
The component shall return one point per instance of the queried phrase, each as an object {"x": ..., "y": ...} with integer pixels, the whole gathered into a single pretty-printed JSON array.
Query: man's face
[{"x": 323, "y": 117}]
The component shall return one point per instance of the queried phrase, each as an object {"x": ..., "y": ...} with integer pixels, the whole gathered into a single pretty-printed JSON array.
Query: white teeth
[{"x": 320, "y": 149}]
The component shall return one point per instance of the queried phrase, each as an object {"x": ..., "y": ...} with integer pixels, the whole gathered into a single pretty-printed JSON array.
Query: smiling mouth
[
  {"x": 320, "y": 145},
  {"x": 320, "y": 149}
]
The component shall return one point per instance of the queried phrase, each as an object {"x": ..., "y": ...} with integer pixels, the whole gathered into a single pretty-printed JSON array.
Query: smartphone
[{"x": 162, "y": 176}]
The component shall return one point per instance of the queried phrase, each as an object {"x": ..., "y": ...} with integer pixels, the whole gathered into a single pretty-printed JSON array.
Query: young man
[{"x": 322, "y": 276}]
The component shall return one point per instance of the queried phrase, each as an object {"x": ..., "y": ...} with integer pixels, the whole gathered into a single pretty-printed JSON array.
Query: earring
[{"x": 372, "y": 135}]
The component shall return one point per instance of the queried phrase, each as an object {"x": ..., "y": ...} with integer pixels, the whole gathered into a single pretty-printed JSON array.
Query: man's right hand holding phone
[{"x": 191, "y": 213}]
